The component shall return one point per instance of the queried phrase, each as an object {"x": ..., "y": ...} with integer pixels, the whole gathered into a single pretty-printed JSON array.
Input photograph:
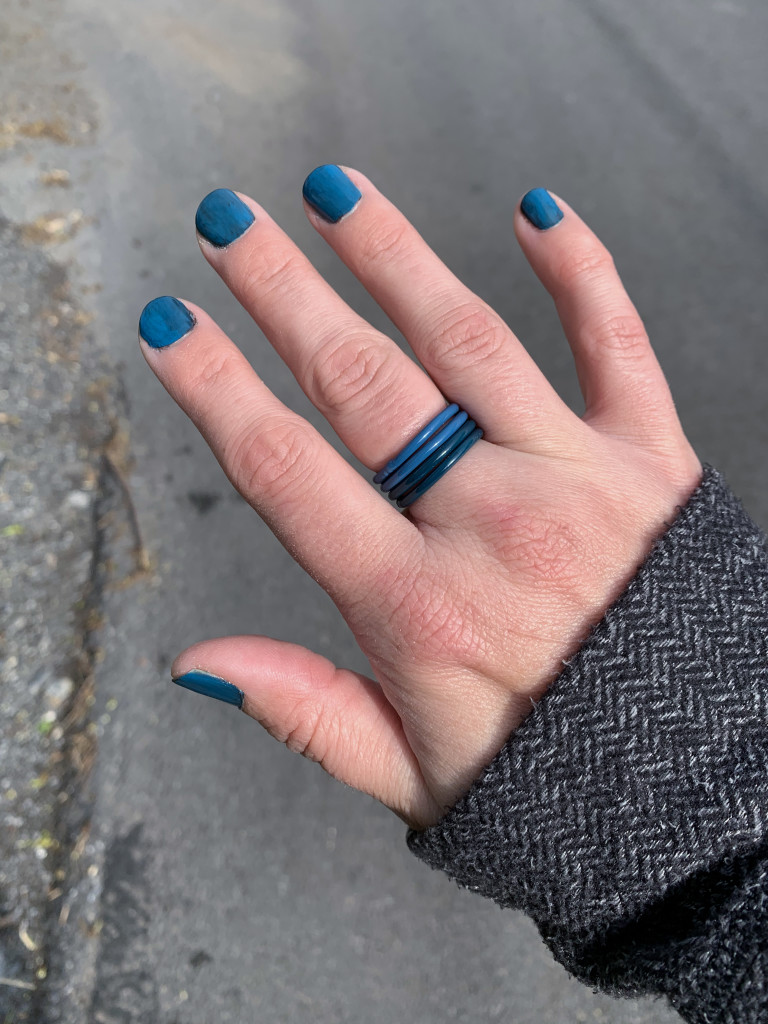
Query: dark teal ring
[
  {"x": 416, "y": 442},
  {"x": 442, "y": 469},
  {"x": 437, "y": 441},
  {"x": 427, "y": 456},
  {"x": 423, "y": 470}
]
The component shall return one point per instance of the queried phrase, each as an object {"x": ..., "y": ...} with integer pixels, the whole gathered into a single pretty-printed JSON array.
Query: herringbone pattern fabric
[{"x": 628, "y": 815}]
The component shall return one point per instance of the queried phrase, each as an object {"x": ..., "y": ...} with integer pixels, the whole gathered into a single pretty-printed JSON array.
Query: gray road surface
[{"x": 232, "y": 881}]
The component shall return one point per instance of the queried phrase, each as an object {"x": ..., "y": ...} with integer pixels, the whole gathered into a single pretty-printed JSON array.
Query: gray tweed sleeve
[{"x": 628, "y": 815}]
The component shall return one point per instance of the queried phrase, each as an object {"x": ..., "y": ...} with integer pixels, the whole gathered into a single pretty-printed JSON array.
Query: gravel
[{"x": 56, "y": 425}]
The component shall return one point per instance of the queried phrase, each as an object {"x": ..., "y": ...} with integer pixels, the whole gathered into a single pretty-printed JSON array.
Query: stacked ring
[{"x": 428, "y": 456}]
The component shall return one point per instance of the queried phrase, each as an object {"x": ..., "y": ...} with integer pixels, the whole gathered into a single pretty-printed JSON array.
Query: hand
[{"x": 467, "y": 606}]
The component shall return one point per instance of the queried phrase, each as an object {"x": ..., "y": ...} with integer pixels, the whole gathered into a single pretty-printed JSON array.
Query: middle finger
[
  {"x": 372, "y": 394},
  {"x": 462, "y": 343}
]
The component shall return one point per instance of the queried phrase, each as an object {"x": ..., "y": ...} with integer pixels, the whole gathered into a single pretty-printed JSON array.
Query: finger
[
  {"x": 327, "y": 516},
  {"x": 331, "y": 715},
  {"x": 374, "y": 396},
  {"x": 465, "y": 347},
  {"x": 623, "y": 386}
]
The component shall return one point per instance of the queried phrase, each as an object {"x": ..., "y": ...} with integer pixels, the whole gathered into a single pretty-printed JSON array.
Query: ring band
[
  {"x": 428, "y": 456},
  {"x": 416, "y": 442},
  {"x": 404, "y": 472}
]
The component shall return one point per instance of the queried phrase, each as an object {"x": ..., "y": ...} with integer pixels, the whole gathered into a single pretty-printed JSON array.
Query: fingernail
[
  {"x": 329, "y": 191},
  {"x": 211, "y": 686},
  {"x": 164, "y": 321},
  {"x": 541, "y": 209},
  {"x": 222, "y": 217}
]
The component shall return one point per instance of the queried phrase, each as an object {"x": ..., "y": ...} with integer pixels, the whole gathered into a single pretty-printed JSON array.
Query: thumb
[{"x": 334, "y": 716}]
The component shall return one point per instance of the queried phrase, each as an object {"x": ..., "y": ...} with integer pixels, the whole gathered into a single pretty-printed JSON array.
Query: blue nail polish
[
  {"x": 222, "y": 217},
  {"x": 330, "y": 192},
  {"x": 541, "y": 209},
  {"x": 164, "y": 321},
  {"x": 211, "y": 686}
]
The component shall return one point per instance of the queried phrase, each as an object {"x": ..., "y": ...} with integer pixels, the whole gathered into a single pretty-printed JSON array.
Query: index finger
[{"x": 330, "y": 519}]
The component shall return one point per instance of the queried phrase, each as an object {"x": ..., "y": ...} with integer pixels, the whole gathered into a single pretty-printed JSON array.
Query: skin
[{"x": 466, "y": 607}]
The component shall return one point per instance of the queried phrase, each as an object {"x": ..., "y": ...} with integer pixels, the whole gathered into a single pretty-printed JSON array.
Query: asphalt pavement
[{"x": 227, "y": 879}]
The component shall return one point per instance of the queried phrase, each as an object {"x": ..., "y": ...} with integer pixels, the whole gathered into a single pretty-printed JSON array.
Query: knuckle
[
  {"x": 318, "y": 732},
  {"x": 623, "y": 333},
  {"x": 268, "y": 269},
  {"x": 386, "y": 244},
  {"x": 272, "y": 463},
  {"x": 584, "y": 265},
  {"x": 350, "y": 374},
  {"x": 212, "y": 369},
  {"x": 468, "y": 336},
  {"x": 306, "y": 733}
]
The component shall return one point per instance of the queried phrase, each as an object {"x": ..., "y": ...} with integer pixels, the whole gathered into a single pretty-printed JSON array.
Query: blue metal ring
[
  {"x": 414, "y": 444},
  {"x": 431, "y": 463},
  {"x": 441, "y": 470},
  {"x": 432, "y": 444},
  {"x": 428, "y": 456}
]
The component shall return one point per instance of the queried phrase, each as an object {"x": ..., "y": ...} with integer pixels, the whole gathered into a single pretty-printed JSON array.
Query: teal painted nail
[
  {"x": 541, "y": 209},
  {"x": 211, "y": 686},
  {"x": 329, "y": 191},
  {"x": 222, "y": 217},
  {"x": 164, "y": 321}
]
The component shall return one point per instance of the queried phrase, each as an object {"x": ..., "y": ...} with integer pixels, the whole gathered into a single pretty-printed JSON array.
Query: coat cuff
[{"x": 639, "y": 782}]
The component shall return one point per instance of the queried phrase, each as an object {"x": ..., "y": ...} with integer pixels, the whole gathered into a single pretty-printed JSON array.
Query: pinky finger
[
  {"x": 624, "y": 388},
  {"x": 334, "y": 716}
]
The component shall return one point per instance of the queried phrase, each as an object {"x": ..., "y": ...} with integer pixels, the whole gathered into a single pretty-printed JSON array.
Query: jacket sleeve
[{"x": 628, "y": 815}]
